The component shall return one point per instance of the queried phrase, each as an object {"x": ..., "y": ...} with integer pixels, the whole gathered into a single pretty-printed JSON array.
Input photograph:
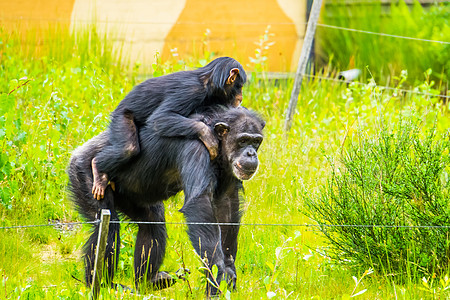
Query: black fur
[
  {"x": 164, "y": 167},
  {"x": 165, "y": 102}
]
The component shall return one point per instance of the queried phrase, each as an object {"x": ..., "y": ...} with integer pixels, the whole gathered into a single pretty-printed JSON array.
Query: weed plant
[{"x": 384, "y": 184}]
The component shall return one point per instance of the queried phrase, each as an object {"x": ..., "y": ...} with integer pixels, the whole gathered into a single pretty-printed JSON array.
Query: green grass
[{"x": 54, "y": 100}]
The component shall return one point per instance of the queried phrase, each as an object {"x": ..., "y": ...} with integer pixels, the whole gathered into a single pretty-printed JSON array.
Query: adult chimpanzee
[
  {"x": 164, "y": 103},
  {"x": 164, "y": 167}
]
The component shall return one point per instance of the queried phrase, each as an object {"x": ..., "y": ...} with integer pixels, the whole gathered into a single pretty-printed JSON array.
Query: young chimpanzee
[
  {"x": 164, "y": 167},
  {"x": 165, "y": 103}
]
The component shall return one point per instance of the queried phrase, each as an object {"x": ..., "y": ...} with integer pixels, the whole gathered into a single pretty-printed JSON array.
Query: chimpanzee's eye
[
  {"x": 243, "y": 141},
  {"x": 257, "y": 142}
]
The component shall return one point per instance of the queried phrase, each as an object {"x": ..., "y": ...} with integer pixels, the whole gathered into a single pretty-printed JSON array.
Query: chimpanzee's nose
[{"x": 251, "y": 153}]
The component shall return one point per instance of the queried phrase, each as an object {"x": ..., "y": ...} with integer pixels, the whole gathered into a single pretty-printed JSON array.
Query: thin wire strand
[
  {"x": 208, "y": 23},
  {"x": 377, "y": 86},
  {"x": 237, "y": 224},
  {"x": 282, "y": 224},
  {"x": 383, "y": 34},
  {"x": 49, "y": 225}
]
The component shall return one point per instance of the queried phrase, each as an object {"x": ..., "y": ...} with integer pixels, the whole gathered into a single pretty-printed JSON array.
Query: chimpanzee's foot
[
  {"x": 162, "y": 280},
  {"x": 100, "y": 182}
]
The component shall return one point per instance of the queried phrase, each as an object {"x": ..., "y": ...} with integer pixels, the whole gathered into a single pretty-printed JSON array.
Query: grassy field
[{"x": 54, "y": 98}]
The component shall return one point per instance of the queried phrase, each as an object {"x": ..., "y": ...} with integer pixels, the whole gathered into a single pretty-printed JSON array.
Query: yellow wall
[
  {"x": 34, "y": 13},
  {"x": 144, "y": 27},
  {"x": 234, "y": 26}
]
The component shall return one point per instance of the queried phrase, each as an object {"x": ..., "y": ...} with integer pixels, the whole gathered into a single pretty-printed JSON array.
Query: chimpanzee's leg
[
  {"x": 227, "y": 210},
  {"x": 150, "y": 249},
  {"x": 112, "y": 244},
  {"x": 123, "y": 144}
]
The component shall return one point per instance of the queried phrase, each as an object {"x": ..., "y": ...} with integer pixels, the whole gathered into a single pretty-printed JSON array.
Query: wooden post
[
  {"x": 100, "y": 252},
  {"x": 301, "y": 68}
]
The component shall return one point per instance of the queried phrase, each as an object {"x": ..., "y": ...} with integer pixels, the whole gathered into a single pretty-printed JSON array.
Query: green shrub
[{"x": 390, "y": 187}]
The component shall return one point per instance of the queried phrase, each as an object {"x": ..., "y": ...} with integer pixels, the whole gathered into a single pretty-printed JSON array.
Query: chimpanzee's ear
[
  {"x": 263, "y": 124},
  {"x": 233, "y": 74},
  {"x": 221, "y": 129}
]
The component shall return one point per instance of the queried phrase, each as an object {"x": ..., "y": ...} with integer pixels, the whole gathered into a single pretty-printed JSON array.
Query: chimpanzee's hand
[
  {"x": 230, "y": 277},
  {"x": 162, "y": 280},
  {"x": 209, "y": 140}
]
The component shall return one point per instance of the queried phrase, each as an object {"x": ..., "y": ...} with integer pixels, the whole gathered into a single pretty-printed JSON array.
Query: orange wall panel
[{"x": 142, "y": 28}]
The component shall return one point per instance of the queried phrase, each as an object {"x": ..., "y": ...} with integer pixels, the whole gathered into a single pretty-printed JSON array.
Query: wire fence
[
  {"x": 399, "y": 90},
  {"x": 197, "y": 23},
  {"x": 382, "y": 34},
  {"x": 317, "y": 226},
  {"x": 57, "y": 224}
]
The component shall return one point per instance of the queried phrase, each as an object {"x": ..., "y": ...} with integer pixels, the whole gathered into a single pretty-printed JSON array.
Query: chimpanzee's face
[
  {"x": 233, "y": 92},
  {"x": 238, "y": 93},
  {"x": 244, "y": 159},
  {"x": 240, "y": 144}
]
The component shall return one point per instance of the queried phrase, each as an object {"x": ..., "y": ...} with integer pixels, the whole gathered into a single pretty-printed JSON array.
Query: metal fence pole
[
  {"x": 301, "y": 68},
  {"x": 100, "y": 251}
]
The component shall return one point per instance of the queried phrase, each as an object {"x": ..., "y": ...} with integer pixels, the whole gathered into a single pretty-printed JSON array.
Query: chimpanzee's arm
[
  {"x": 228, "y": 210},
  {"x": 198, "y": 184},
  {"x": 170, "y": 119}
]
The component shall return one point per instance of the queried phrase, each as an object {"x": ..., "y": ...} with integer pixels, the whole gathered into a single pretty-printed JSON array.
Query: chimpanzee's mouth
[{"x": 244, "y": 173}]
